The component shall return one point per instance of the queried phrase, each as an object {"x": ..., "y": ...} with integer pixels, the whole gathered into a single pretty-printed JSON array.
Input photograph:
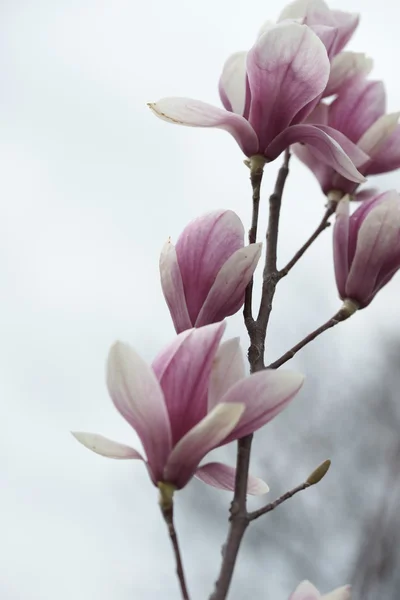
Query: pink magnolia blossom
[
  {"x": 268, "y": 93},
  {"x": 205, "y": 275},
  {"x": 193, "y": 398},
  {"x": 316, "y": 14},
  {"x": 306, "y": 591},
  {"x": 366, "y": 246},
  {"x": 334, "y": 28},
  {"x": 358, "y": 113}
]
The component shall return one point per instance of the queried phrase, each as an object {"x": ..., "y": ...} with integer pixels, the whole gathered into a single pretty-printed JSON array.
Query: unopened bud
[{"x": 319, "y": 473}]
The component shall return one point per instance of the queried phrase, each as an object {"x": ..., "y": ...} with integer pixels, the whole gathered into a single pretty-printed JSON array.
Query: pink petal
[
  {"x": 202, "y": 249},
  {"x": 228, "y": 368},
  {"x": 193, "y": 113},
  {"x": 357, "y": 107},
  {"x": 226, "y": 295},
  {"x": 183, "y": 370},
  {"x": 320, "y": 115},
  {"x": 316, "y": 12},
  {"x": 223, "y": 477},
  {"x": 324, "y": 147},
  {"x": 347, "y": 23},
  {"x": 327, "y": 34},
  {"x": 377, "y": 240},
  {"x": 387, "y": 156},
  {"x": 344, "y": 68},
  {"x": 342, "y": 593},
  {"x": 172, "y": 287},
  {"x": 341, "y": 245},
  {"x": 287, "y": 69},
  {"x": 232, "y": 83},
  {"x": 137, "y": 395},
  {"x": 366, "y": 194},
  {"x": 374, "y": 138},
  {"x": 206, "y": 435},
  {"x": 265, "y": 395},
  {"x": 305, "y": 591},
  {"x": 357, "y": 156},
  {"x": 105, "y": 447}
]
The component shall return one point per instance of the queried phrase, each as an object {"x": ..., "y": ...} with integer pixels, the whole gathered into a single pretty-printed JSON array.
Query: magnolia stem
[
  {"x": 256, "y": 175},
  {"x": 349, "y": 307},
  {"x": 167, "y": 509},
  {"x": 321, "y": 227},
  {"x": 270, "y": 274}
]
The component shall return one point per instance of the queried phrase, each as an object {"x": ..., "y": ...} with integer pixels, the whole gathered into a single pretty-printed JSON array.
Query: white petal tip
[
  {"x": 257, "y": 487},
  {"x": 105, "y": 447}
]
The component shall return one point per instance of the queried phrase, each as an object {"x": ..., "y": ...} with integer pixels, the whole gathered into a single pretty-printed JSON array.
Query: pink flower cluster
[{"x": 295, "y": 87}]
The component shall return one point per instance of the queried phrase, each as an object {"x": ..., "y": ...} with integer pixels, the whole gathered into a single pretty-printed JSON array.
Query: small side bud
[
  {"x": 319, "y": 473},
  {"x": 349, "y": 307},
  {"x": 256, "y": 163}
]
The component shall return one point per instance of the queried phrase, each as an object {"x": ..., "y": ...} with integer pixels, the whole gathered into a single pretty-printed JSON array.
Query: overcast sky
[{"x": 91, "y": 185}]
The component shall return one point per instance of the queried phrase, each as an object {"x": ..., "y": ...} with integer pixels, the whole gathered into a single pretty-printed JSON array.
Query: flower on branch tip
[
  {"x": 359, "y": 114},
  {"x": 205, "y": 275},
  {"x": 307, "y": 591},
  {"x": 193, "y": 398},
  {"x": 366, "y": 246},
  {"x": 268, "y": 93}
]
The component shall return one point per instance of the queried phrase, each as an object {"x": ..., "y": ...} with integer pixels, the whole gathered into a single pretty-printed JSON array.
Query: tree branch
[
  {"x": 270, "y": 274},
  {"x": 239, "y": 520},
  {"x": 348, "y": 308}
]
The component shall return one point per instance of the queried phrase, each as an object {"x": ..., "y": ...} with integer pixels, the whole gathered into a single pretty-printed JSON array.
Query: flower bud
[
  {"x": 366, "y": 246},
  {"x": 205, "y": 275}
]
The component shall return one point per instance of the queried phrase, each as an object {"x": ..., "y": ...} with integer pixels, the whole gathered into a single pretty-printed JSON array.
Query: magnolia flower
[
  {"x": 366, "y": 247},
  {"x": 316, "y": 13},
  {"x": 205, "y": 275},
  {"x": 306, "y": 591},
  {"x": 358, "y": 113},
  {"x": 267, "y": 93},
  {"x": 193, "y": 398}
]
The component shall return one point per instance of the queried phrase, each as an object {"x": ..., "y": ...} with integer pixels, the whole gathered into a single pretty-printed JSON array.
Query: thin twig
[
  {"x": 266, "y": 509},
  {"x": 348, "y": 308},
  {"x": 167, "y": 509},
  {"x": 321, "y": 227},
  {"x": 256, "y": 174},
  {"x": 314, "y": 478}
]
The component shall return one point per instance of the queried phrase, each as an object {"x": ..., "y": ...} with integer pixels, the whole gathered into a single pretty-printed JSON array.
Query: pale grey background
[{"x": 91, "y": 186}]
